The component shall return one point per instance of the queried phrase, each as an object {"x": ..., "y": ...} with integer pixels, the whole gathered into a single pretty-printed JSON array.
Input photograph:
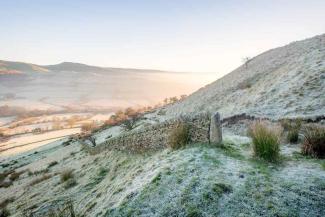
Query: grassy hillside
[
  {"x": 285, "y": 81},
  {"x": 198, "y": 180}
]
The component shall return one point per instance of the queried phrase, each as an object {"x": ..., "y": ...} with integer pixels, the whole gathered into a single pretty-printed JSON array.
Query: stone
[{"x": 215, "y": 134}]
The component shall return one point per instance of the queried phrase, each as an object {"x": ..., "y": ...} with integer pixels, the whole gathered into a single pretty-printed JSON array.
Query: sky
[{"x": 179, "y": 35}]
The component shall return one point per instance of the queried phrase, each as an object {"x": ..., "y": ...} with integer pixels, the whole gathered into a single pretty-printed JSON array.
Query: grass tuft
[
  {"x": 221, "y": 188},
  {"x": 314, "y": 141},
  {"x": 66, "y": 175},
  {"x": 266, "y": 141},
  {"x": 293, "y": 136},
  {"x": 293, "y": 128},
  {"x": 179, "y": 137}
]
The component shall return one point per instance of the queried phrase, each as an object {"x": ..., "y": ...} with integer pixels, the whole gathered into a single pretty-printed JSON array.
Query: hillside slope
[
  {"x": 199, "y": 180},
  {"x": 286, "y": 81}
]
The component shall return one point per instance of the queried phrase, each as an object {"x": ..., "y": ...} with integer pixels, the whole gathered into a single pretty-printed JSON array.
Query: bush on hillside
[
  {"x": 293, "y": 128},
  {"x": 179, "y": 137},
  {"x": 266, "y": 141},
  {"x": 66, "y": 175},
  {"x": 314, "y": 141},
  {"x": 293, "y": 136},
  {"x": 130, "y": 123},
  {"x": 88, "y": 127}
]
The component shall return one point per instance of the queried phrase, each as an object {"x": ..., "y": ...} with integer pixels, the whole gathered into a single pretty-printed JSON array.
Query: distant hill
[
  {"x": 285, "y": 81},
  {"x": 9, "y": 67},
  {"x": 69, "y": 66}
]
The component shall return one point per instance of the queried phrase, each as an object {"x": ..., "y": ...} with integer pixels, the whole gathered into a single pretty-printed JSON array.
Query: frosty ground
[{"x": 198, "y": 180}]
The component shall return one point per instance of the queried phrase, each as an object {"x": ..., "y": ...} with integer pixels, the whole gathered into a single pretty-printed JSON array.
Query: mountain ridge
[{"x": 16, "y": 67}]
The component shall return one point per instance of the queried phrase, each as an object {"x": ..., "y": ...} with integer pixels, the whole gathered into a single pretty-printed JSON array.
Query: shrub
[
  {"x": 66, "y": 175},
  {"x": 179, "y": 137},
  {"x": 314, "y": 141},
  {"x": 265, "y": 141},
  {"x": 130, "y": 123},
  {"x": 293, "y": 128},
  {"x": 88, "y": 127},
  {"x": 293, "y": 136}
]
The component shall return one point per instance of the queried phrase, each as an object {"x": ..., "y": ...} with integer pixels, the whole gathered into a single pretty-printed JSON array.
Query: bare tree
[{"x": 246, "y": 60}]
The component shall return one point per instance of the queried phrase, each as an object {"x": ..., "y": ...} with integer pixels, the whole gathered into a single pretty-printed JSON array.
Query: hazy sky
[{"x": 182, "y": 35}]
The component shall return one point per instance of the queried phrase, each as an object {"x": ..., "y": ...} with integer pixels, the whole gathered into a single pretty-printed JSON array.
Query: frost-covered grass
[
  {"x": 314, "y": 141},
  {"x": 210, "y": 181},
  {"x": 179, "y": 136},
  {"x": 195, "y": 180},
  {"x": 266, "y": 141},
  {"x": 193, "y": 185}
]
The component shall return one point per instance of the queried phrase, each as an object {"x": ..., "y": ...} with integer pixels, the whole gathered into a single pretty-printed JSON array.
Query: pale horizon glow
[{"x": 194, "y": 36}]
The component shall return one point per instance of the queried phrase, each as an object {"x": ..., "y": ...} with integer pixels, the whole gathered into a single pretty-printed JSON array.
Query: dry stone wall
[{"x": 155, "y": 137}]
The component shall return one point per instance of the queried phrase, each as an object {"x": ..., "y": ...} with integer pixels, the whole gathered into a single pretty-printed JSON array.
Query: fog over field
[{"x": 79, "y": 86}]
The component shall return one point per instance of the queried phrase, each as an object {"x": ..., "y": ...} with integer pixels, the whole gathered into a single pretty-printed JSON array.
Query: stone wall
[{"x": 155, "y": 137}]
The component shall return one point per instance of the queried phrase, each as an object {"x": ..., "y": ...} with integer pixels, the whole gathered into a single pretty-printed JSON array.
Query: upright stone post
[{"x": 215, "y": 136}]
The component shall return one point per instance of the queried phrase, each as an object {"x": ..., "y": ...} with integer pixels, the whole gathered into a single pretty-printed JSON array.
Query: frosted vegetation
[{"x": 196, "y": 180}]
